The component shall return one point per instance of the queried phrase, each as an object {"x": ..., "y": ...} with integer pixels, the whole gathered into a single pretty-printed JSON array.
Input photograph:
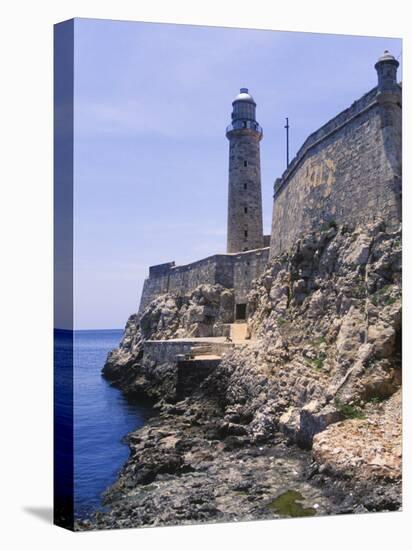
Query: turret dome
[
  {"x": 386, "y": 67},
  {"x": 386, "y": 57}
]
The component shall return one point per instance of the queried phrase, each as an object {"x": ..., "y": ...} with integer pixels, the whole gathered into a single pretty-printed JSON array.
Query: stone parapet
[
  {"x": 347, "y": 171},
  {"x": 234, "y": 271}
]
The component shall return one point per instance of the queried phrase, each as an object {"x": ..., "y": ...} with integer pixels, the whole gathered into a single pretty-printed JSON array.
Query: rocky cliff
[
  {"x": 202, "y": 313},
  {"x": 304, "y": 419}
]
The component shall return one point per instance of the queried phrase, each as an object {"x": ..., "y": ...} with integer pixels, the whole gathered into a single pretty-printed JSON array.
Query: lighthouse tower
[{"x": 244, "y": 224}]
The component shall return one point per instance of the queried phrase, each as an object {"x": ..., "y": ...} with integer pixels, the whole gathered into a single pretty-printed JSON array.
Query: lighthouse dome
[
  {"x": 244, "y": 95},
  {"x": 244, "y": 111}
]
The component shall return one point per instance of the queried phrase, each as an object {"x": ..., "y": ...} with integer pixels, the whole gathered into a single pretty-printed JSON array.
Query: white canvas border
[{"x": 27, "y": 270}]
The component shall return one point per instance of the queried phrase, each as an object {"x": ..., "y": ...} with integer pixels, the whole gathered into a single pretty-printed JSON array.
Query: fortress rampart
[
  {"x": 346, "y": 172},
  {"x": 235, "y": 271}
]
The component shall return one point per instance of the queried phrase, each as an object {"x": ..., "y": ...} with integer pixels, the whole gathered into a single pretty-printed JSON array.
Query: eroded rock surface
[
  {"x": 367, "y": 448},
  {"x": 324, "y": 371},
  {"x": 202, "y": 313}
]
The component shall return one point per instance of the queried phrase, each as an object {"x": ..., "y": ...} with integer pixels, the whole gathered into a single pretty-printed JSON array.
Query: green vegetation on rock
[
  {"x": 383, "y": 296},
  {"x": 349, "y": 411},
  {"x": 317, "y": 362},
  {"x": 328, "y": 225}
]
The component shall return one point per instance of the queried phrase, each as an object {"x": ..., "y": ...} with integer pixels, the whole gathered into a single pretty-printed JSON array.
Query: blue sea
[{"x": 101, "y": 414}]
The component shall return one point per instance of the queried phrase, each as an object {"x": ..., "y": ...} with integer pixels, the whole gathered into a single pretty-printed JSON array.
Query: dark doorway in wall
[{"x": 240, "y": 314}]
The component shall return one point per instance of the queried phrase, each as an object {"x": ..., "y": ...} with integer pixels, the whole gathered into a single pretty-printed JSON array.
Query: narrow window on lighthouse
[
  {"x": 245, "y": 163},
  {"x": 245, "y": 233},
  {"x": 245, "y": 186},
  {"x": 245, "y": 209}
]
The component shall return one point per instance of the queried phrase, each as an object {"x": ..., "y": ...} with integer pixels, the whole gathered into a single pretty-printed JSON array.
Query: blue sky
[{"x": 151, "y": 158}]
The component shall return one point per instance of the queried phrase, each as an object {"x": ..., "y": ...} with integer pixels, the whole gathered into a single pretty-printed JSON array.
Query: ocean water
[
  {"x": 102, "y": 417},
  {"x": 63, "y": 427}
]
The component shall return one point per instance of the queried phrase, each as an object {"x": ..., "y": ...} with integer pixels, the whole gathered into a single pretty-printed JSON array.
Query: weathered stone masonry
[
  {"x": 244, "y": 219},
  {"x": 346, "y": 172},
  {"x": 235, "y": 271}
]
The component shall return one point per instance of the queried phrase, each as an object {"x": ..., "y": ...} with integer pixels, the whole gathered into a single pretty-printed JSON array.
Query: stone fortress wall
[
  {"x": 346, "y": 172},
  {"x": 235, "y": 271}
]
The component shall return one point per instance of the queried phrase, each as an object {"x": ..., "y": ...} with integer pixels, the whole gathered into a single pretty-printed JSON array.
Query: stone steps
[
  {"x": 202, "y": 349},
  {"x": 238, "y": 331}
]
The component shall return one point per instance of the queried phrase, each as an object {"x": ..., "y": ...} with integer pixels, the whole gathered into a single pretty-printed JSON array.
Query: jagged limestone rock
[
  {"x": 319, "y": 371},
  {"x": 201, "y": 313}
]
